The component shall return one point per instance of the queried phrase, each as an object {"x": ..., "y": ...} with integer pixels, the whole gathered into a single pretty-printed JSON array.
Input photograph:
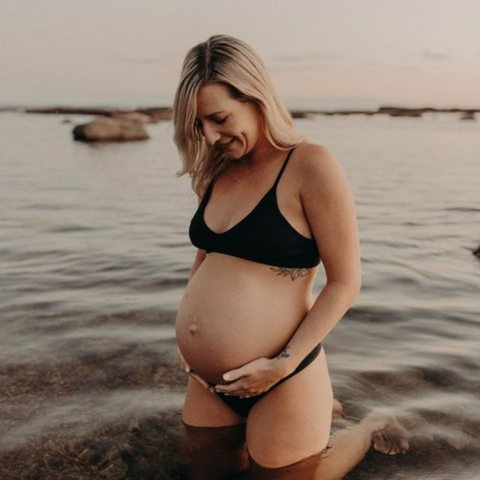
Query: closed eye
[{"x": 220, "y": 121}]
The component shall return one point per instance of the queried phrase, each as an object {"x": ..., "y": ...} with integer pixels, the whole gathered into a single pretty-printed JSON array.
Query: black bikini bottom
[{"x": 243, "y": 405}]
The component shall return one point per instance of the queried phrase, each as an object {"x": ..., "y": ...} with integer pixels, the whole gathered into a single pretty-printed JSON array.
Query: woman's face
[{"x": 227, "y": 123}]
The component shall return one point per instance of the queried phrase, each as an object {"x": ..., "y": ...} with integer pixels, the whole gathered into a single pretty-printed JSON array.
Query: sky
[{"x": 320, "y": 54}]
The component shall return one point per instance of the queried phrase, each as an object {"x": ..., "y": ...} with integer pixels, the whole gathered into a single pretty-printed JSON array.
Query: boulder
[
  {"x": 110, "y": 130},
  {"x": 468, "y": 116}
]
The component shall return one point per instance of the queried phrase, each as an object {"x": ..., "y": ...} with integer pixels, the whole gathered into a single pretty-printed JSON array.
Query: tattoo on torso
[
  {"x": 283, "y": 353},
  {"x": 292, "y": 272}
]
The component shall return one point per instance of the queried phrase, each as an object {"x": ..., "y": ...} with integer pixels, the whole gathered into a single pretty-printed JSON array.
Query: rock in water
[
  {"x": 110, "y": 130},
  {"x": 468, "y": 116}
]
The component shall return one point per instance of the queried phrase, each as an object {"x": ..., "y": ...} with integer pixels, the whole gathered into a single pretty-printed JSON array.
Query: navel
[{"x": 193, "y": 329}]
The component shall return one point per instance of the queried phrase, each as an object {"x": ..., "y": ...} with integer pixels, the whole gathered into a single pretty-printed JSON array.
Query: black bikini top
[{"x": 263, "y": 236}]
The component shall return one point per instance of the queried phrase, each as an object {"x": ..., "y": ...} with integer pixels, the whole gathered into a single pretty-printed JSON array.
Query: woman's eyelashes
[{"x": 220, "y": 120}]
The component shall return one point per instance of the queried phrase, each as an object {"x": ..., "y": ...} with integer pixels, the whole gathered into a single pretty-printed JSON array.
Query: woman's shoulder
[
  {"x": 318, "y": 170},
  {"x": 313, "y": 158},
  {"x": 312, "y": 152}
]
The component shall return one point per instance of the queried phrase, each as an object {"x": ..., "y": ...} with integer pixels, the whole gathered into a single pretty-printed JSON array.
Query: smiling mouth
[{"x": 225, "y": 145}]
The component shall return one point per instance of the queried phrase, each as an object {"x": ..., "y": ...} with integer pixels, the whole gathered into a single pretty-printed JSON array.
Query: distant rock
[
  {"x": 468, "y": 116},
  {"x": 300, "y": 114},
  {"x": 402, "y": 112},
  {"x": 105, "y": 129},
  {"x": 477, "y": 252},
  {"x": 155, "y": 114},
  {"x": 145, "y": 115},
  {"x": 131, "y": 116}
]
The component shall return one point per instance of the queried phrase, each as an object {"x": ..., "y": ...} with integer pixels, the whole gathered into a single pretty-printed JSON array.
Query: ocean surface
[{"x": 95, "y": 254}]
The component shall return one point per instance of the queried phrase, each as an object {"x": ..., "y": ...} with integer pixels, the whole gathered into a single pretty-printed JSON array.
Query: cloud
[{"x": 435, "y": 56}]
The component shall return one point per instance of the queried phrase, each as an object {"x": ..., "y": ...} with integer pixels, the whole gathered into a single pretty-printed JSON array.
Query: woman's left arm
[
  {"x": 329, "y": 207},
  {"x": 330, "y": 210}
]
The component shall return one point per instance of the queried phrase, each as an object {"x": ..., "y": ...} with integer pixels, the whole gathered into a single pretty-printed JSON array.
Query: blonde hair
[{"x": 228, "y": 60}]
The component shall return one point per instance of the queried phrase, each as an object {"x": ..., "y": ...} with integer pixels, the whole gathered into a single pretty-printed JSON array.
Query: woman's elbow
[
  {"x": 355, "y": 284},
  {"x": 350, "y": 289},
  {"x": 357, "y": 289}
]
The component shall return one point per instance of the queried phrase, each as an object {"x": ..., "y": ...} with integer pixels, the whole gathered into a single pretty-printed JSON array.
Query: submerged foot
[
  {"x": 391, "y": 438},
  {"x": 337, "y": 409}
]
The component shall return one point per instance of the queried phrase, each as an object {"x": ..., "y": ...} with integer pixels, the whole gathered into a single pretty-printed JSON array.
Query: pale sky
[{"x": 338, "y": 53}]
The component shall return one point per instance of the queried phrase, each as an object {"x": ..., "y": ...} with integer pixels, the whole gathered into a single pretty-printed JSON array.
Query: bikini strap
[{"x": 283, "y": 168}]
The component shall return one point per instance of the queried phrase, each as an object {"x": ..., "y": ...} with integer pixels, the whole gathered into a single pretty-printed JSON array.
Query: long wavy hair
[{"x": 237, "y": 65}]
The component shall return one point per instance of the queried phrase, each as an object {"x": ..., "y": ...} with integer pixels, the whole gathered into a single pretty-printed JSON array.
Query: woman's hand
[
  {"x": 186, "y": 368},
  {"x": 254, "y": 378}
]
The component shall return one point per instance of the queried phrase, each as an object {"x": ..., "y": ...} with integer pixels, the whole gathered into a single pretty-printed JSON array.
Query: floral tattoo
[{"x": 292, "y": 272}]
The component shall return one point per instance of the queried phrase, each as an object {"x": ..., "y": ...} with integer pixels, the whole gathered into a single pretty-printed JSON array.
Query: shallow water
[{"x": 94, "y": 256}]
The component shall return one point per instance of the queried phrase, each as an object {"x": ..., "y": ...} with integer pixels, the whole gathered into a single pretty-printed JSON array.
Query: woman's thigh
[
  {"x": 213, "y": 439},
  {"x": 292, "y": 421},
  {"x": 204, "y": 408}
]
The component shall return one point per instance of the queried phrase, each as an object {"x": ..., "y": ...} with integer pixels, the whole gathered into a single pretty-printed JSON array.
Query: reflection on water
[{"x": 95, "y": 256}]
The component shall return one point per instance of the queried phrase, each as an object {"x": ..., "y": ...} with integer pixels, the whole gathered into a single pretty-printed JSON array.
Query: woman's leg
[
  {"x": 287, "y": 432},
  {"x": 337, "y": 408},
  {"x": 293, "y": 420},
  {"x": 213, "y": 437},
  {"x": 346, "y": 449},
  {"x": 349, "y": 446}
]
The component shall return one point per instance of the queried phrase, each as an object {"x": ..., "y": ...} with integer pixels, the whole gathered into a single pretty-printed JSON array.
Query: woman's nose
[{"x": 211, "y": 135}]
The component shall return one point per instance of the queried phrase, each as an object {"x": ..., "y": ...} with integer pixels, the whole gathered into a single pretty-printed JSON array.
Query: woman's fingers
[
  {"x": 200, "y": 380},
  {"x": 237, "y": 392},
  {"x": 241, "y": 389},
  {"x": 234, "y": 388},
  {"x": 183, "y": 363},
  {"x": 186, "y": 368}
]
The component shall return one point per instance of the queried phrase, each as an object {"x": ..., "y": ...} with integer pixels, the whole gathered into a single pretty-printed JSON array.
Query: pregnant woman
[{"x": 272, "y": 206}]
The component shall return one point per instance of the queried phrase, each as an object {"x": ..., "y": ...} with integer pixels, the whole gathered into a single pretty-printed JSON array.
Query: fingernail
[
  {"x": 226, "y": 376},
  {"x": 187, "y": 369}
]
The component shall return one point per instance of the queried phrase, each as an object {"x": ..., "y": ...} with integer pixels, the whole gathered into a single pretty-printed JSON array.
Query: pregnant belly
[{"x": 229, "y": 317}]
